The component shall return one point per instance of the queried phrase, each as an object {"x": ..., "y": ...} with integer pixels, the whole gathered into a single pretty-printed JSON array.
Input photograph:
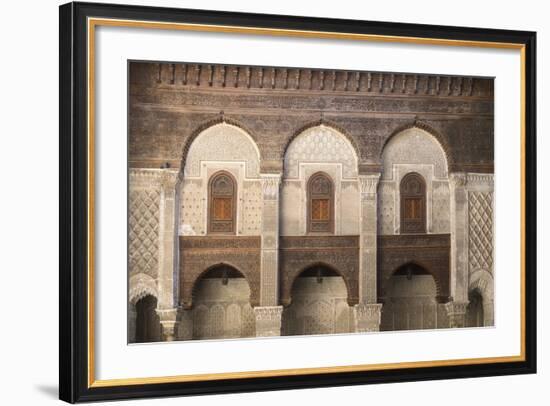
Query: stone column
[
  {"x": 132, "y": 315},
  {"x": 268, "y": 320},
  {"x": 368, "y": 311},
  {"x": 167, "y": 280},
  {"x": 459, "y": 237},
  {"x": 269, "y": 284},
  {"x": 169, "y": 323},
  {"x": 457, "y": 313},
  {"x": 366, "y": 317}
]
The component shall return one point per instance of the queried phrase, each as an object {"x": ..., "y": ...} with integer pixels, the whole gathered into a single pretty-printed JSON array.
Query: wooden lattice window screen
[
  {"x": 222, "y": 204},
  {"x": 320, "y": 204},
  {"x": 413, "y": 204}
]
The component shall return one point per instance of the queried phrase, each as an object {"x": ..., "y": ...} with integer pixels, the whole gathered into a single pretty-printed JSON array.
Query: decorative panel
[
  {"x": 193, "y": 208},
  {"x": 143, "y": 231},
  {"x": 426, "y": 150},
  {"x": 481, "y": 230},
  {"x": 441, "y": 207},
  {"x": 320, "y": 144},
  {"x": 223, "y": 142}
]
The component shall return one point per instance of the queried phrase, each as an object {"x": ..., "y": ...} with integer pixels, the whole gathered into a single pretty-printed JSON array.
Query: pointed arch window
[
  {"x": 320, "y": 204},
  {"x": 222, "y": 203},
  {"x": 413, "y": 204}
]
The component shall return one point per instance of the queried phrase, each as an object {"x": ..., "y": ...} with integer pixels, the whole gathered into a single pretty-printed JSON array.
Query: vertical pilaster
[
  {"x": 269, "y": 290},
  {"x": 367, "y": 312},
  {"x": 459, "y": 237},
  {"x": 168, "y": 254},
  {"x": 368, "y": 231}
]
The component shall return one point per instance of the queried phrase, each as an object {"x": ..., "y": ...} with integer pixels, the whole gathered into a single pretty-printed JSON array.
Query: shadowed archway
[
  {"x": 410, "y": 300},
  {"x": 319, "y": 303}
]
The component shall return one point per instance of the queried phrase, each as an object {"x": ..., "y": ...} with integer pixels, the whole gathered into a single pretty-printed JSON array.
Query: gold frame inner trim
[{"x": 94, "y": 22}]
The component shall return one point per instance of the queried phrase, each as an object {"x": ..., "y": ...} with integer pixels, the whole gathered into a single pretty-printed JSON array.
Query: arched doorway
[
  {"x": 147, "y": 321},
  {"x": 409, "y": 298},
  {"x": 319, "y": 303},
  {"x": 221, "y": 305},
  {"x": 474, "y": 312}
]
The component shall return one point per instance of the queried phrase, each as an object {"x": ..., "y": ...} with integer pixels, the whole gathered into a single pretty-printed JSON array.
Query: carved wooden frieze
[
  {"x": 340, "y": 253},
  {"x": 430, "y": 251},
  {"x": 199, "y": 254}
]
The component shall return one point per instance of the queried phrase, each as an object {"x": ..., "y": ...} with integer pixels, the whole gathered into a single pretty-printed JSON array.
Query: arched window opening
[
  {"x": 320, "y": 204},
  {"x": 147, "y": 320},
  {"x": 222, "y": 204},
  {"x": 413, "y": 204},
  {"x": 474, "y": 311}
]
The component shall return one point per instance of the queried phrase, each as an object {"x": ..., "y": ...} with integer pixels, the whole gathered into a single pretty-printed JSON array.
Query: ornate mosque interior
[{"x": 268, "y": 201}]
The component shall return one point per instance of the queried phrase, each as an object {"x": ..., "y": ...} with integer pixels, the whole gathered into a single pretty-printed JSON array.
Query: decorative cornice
[
  {"x": 462, "y": 179},
  {"x": 145, "y": 177},
  {"x": 480, "y": 179},
  {"x": 207, "y": 76}
]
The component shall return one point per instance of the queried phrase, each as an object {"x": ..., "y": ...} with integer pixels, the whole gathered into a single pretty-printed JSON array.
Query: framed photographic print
[{"x": 257, "y": 202}]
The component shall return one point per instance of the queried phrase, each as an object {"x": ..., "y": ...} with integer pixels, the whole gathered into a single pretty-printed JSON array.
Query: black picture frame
[{"x": 74, "y": 385}]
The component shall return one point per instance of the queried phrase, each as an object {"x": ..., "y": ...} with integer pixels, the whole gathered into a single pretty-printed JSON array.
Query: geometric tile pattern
[
  {"x": 320, "y": 144},
  {"x": 143, "y": 235},
  {"x": 481, "y": 230}
]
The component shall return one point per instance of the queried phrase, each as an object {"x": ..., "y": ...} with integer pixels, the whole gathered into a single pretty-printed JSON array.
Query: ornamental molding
[
  {"x": 268, "y": 313},
  {"x": 471, "y": 180},
  {"x": 458, "y": 179},
  {"x": 141, "y": 285},
  {"x": 145, "y": 177},
  {"x": 480, "y": 179},
  {"x": 456, "y": 308},
  {"x": 369, "y": 185},
  {"x": 170, "y": 178},
  {"x": 270, "y": 186},
  {"x": 210, "y": 76}
]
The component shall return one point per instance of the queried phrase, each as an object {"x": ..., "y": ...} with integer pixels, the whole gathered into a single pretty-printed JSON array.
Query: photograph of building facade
[{"x": 268, "y": 201}]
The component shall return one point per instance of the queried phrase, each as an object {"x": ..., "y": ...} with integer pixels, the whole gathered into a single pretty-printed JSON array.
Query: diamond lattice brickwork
[
  {"x": 481, "y": 230},
  {"x": 143, "y": 236}
]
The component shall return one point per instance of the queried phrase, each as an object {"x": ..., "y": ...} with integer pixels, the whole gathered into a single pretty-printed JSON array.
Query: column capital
[
  {"x": 458, "y": 179},
  {"x": 456, "y": 312},
  {"x": 268, "y": 320},
  {"x": 169, "y": 178},
  {"x": 367, "y": 317},
  {"x": 270, "y": 185},
  {"x": 169, "y": 322},
  {"x": 368, "y": 185}
]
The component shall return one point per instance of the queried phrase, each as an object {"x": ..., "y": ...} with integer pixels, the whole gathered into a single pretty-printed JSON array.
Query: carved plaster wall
[
  {"x": 414, "y": 150},
  {"x": 144, "y": 222},
  {"x": 320, "y": 148},
  {"x": 221, "y": 147}
]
